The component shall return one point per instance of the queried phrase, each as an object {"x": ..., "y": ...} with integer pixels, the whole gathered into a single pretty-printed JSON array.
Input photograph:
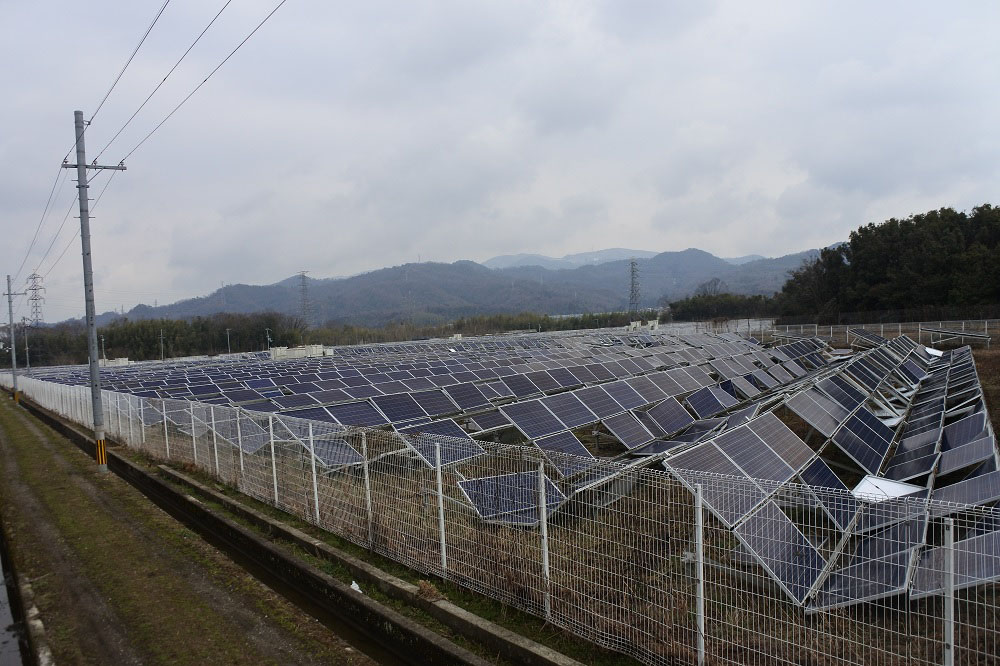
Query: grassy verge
[{"x": 172, "y": 598}]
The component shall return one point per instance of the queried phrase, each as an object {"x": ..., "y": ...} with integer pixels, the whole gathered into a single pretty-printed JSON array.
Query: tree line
[
  {"x": 927, "y": 264},
  {"x": 140, "y": 340}
]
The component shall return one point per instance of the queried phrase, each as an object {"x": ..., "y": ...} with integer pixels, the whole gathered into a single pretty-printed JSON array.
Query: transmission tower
[
  {"x": 633, "y": 292},
  {"x": 304, "y": 297},
  {"x": 35, "y": 290}
]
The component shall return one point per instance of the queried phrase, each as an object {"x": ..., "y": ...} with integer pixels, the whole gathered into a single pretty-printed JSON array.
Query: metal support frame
[
  {"x": 166, "y": 437},
  {"x": 949, "y": 592},
  {"x": 440, "y": 503},
  {"x": 312, "y": 461},
  {"x": 194, "y": 438},
  {"x": 543, "y": 529},
  {"x": 215, "y": 439},
  {"x": 368, "y": 489},
  {"x": 274, "y": 461},
  {"x": 699, "y": 545}
]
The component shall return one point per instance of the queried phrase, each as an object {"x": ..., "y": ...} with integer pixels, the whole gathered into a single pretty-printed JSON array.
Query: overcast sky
[{"x": 345, "y": 137}]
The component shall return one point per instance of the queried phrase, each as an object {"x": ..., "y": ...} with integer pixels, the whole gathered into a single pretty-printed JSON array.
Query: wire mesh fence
[{"x": 625, "y": 555}]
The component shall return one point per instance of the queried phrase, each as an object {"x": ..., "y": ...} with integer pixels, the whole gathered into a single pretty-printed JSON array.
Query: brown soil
[{"x": 118, "y": 581}]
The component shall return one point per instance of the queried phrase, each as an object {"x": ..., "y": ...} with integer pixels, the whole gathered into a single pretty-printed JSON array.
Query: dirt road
[{"x": 119, "y": 581}]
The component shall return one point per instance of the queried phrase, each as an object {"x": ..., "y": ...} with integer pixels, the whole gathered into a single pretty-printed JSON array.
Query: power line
[
  {"x": 160, "y": 84},
  {"x": 210, "y": 74},
  {"x": 129, "y": 61},
  {"x": 56, "y": 236},
  {"x": 38, "y": 227},
  {"x": 75, "y": 235}
]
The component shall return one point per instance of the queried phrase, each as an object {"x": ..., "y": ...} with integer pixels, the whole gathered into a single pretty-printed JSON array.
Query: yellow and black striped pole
[{"x": 101, "y": 455}]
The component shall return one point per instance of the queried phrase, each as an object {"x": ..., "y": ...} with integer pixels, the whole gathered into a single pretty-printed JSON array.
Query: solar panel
[
  {"x": 741, "y": 388},
  {"x": 570, "y": 410},
  {"x": 976, "y": 490},
  {"x": 665, "y": 383},
  {"x": 335, "y": 453},
  {"x": 792, "y": 450},
  {"x": 532, "y": 418},
  {"x": 976, "y": 561},
  {"x": 564, "y": 377},
  {"x": 782, "y": 549},
  {"x": 729, "y": 500},
  {"x": 709, "y": 401},
  {"x": 818, "y": 411},
  {"x": 866, "y": 580},
  {"x": 399, "y": 408},
  {"x": 435, "y": 402},
  {"x": 363, "y": 391},
  {"x": 467, "y": 396},
  {"x": 624, "y": 395},
  {"x": 356, "y": 413},
  {"x": 670, "y": 415},
  {"x": 838, "y": 502},
  {"x": 598, "y": 401},
  {"x": 511, "y": 498},
  {"x": 756, "y": 459},
  {"x": 293, "y": 401},
  {"x": 627, "y": 429},
  {"x": 454, "y": 443},
  {"x": 564, "y": 451},
  {"x": 649, "y": 391},
  {"x": 966, "y": 455},
  {"x": 490, "y": 420},
  {"x": 331, "y": 396},
  {"x": 313, "y": 414},
  {"x": 543, "y": 380},
  {"x": 964, "y": 431}
]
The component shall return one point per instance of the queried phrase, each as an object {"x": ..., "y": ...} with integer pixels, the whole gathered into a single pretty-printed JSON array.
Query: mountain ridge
[{"x": 435, "y": 292}]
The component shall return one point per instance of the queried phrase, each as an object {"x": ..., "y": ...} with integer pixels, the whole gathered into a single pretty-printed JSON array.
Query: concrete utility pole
[
  {"x": 267, "y": 332},
  {"x": 161, "y": 344},
  {"x": 104, "y": 353},
  {"x": 81, "y": 167},
  {"x": 229, "y": 347},
  {"x": 13, "y": 345}
]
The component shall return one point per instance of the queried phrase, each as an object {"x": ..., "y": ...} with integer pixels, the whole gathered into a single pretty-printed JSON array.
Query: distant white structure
[
  {"x": 113, "y": 362},
  {"x": 278, "y": 353}
]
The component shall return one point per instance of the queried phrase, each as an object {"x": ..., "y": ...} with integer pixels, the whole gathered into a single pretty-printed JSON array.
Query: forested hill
[{"x": 943, "y": 257}]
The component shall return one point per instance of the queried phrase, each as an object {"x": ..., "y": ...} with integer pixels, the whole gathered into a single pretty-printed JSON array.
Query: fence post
[
  {"x": 131, "y": 441},
  {"x": 142, "y": 421},
  {"x": 543, "y": 526},
  {"x": 312, "y": 459},
  {"x": 440, "y": 498},
  {"x": 881, "y": 330},
  {"x": 899, "y": 329},
  {"x": 215, "y": 440},
  {"x": 166, "y": 437},
  {"x": 699, "y": 545},
  {"x": 368, "y": 489},
  {"x": 274, "y": 462},
  {"x": 118, "y": 409},
  {"x": 239, "y": 441},
  {"x": 949, "y": 591},
  {"x": 194, "y": 439}
]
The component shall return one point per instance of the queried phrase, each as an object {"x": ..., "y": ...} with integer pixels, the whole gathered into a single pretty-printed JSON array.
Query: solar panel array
[{"x": 702, "y": 406}]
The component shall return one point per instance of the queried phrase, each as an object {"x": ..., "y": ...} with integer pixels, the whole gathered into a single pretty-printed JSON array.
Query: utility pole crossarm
[{"x": 97, "y": 167}]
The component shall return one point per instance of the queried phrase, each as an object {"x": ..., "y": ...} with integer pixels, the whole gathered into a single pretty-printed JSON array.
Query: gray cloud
[{"x": 349, "y": 136}]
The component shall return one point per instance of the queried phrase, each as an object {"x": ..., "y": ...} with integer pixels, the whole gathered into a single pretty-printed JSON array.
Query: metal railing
[{"x": 626, "y": 557}]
